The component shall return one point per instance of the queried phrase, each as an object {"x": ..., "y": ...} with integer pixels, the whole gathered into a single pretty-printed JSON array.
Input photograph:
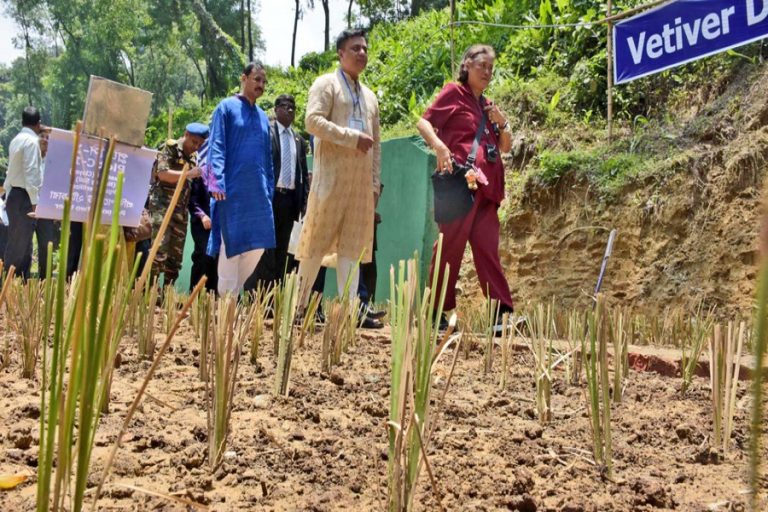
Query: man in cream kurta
[{"x": 343, "y": 115}]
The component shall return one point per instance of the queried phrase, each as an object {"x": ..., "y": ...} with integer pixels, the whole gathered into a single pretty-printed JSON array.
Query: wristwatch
[{"x": 506, "y": 126}]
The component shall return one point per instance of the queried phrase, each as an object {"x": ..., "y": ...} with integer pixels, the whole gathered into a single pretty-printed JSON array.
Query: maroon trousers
[{"x": 480, "y": 227}]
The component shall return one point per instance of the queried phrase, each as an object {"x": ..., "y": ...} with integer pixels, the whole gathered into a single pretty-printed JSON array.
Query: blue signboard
[{"x": 683, "y": 31}]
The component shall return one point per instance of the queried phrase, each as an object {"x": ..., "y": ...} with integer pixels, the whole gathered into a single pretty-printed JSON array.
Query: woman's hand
[
  {"x": 444, "y": 163},
  {"x": 495, "y": 115}
]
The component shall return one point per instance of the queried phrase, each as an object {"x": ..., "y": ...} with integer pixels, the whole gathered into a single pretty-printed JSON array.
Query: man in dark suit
[{"x": 289, "y": 157}]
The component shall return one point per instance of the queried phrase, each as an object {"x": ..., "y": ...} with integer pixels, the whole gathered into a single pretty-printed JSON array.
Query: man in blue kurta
[{"x": 241, "y": 182}]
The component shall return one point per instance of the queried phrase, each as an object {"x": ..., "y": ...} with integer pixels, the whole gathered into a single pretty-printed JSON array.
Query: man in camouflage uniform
[{"x": 173, "y": 156}]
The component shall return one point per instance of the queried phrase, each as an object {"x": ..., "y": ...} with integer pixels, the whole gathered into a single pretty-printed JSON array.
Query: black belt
[{"x": 284, "y": 191}]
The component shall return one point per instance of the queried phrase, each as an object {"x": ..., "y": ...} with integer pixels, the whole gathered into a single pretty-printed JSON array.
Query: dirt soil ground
[{"x": 325, "y": 447}]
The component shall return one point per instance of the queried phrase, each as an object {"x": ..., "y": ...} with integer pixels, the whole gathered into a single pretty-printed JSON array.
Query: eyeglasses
[{"x": 289, "y": 108}]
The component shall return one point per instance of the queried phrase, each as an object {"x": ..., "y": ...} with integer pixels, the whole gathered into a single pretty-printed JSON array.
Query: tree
[
  {"x": 296, "y": 16},
  {"x": 326, "y": 10}
]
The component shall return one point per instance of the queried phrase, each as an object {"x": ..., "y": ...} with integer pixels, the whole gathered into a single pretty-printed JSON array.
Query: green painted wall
[
  {"x": 405, "y": 207},
  {"x": 406, "y": 214}
]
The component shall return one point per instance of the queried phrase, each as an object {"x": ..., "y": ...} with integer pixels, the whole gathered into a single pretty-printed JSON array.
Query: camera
[{"x": 491, "y": 153}]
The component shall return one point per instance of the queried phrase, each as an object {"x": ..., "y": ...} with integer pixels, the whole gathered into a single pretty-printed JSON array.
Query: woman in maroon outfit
[{"x": 449, "y": 126}]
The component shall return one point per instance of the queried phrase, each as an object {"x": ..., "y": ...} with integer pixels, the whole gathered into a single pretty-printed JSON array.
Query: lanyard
[{"x": 356, "y": 107}]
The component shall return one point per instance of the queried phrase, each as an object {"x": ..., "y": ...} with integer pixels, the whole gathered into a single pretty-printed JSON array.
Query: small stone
[
  {"x": 261, "y": 401},
  {"x": 337, "y": 378}
]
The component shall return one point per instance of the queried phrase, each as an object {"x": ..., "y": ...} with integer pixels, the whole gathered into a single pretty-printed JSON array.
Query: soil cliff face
[{"x": 687, "y": 233}]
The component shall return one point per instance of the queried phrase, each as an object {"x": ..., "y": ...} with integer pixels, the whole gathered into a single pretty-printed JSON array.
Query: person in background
[
  {"x": 173, "y": 156},
  {"x": 343, "y": 115},
  {"x": 200, "y": 227},
  {"x": 449, "y": 126},
  {"x": 241, "y": 182},
  {"x": 289, "y": 159},
  {"x": 22, "y": 184},
  {"x": 46, "y": 230}
]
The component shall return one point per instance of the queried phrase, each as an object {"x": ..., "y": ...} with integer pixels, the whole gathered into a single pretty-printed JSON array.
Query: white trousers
[
  {"x": 234, "y": 271},
  {"x": 309, "y": 268}
]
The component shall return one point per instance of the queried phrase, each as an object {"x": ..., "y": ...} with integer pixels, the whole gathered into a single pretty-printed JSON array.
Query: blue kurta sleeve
[{"x": 217, "y": 142}]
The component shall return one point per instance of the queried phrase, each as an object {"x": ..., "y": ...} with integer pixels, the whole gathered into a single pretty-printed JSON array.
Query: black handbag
[{"x": 452, "y": 197}]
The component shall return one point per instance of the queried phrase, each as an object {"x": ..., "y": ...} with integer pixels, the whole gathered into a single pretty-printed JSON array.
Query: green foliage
[
  {"x": 408, "y": 60},
  {"x": 317, "y": 62},
  {"x": 607, "y": 170}
]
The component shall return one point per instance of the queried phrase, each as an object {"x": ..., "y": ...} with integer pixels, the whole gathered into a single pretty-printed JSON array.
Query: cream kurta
[{"x": 340, "y": 209}]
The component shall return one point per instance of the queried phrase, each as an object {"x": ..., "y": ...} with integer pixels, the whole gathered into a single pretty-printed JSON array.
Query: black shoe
[
  {"x": 443, "y": 325},
  {"x": 319, "y": 316},
  {"x": 371, "y": 323},
  {"x": 376, "y": 315}
]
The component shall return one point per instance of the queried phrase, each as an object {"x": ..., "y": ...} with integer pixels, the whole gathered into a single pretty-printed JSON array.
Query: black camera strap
[{"x": 476, "y": 143}]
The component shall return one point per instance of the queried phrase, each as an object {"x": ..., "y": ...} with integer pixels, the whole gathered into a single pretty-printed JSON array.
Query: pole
[
  {"x": 453, "y": 49},
  {"x": 609, "y": 57},
  {"x": 604, "y": 265}
]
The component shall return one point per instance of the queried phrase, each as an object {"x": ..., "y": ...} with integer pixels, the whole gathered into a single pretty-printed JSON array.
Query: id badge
[{"x": 356, "y": 124}]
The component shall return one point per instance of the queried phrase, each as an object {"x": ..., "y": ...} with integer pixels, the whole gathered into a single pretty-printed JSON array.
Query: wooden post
[
  {"x": 609, "y": 57},
  {"x": 453, "y": 50}
]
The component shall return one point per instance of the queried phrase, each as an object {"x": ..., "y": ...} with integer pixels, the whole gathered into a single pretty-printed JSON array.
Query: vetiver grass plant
[
  {"x": 620, "y": 352},
  {"x": 414, "y": 336},
  {"x": 169, "y": 307},
  {"x": 341, "y": 322},
  {"x": 693, "y": 344},
  {"x": 230, "y": 326},
  {"x": 261, "y": 301},
  {"x": 598, "y": 386},
  {"x": 88, "y": 322},
  {"x": 309, "y": 321},
  {"x": 201, "y": 318},
  {"x": 7, "y": 283},
  {"x": 576, "y": 334},
  {"x": 760, "y": 347},
  {"x": 541, "y": 329},
  {"x": 76, "y": 407},
  {"x": 30, "y": 316},
  {"x": 724, "y": 364},
  {"x": 286, "y": 296},
  {"x": 489, "y": 322},
  {"x": 146, "y": 320}
]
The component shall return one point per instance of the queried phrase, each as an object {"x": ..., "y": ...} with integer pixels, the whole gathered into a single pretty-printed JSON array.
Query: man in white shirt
[{"x": 22, "y": 183}]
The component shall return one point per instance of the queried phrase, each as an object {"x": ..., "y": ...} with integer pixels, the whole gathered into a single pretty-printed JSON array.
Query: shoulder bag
[{"x": 452, "y": 196}]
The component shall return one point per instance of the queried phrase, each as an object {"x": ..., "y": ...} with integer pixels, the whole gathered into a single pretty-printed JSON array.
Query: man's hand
[
  {"x": 364, "y": 142},
  {"x": 193, "y": 173},
  {"x": 206, "y": 220},
  {"x": 219, "y": 196}
]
